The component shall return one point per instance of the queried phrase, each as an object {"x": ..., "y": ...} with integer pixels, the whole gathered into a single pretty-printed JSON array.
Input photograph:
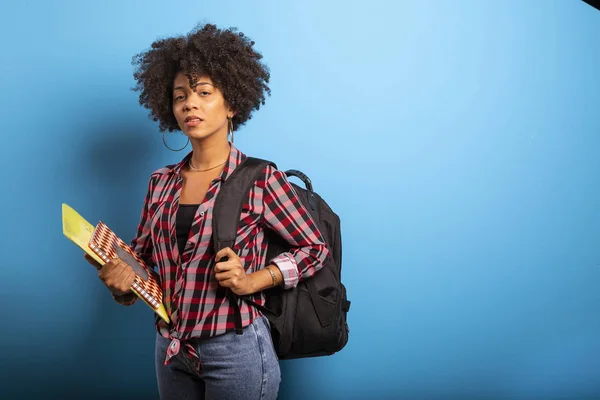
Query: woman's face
[{"x": 200, "y": 112}]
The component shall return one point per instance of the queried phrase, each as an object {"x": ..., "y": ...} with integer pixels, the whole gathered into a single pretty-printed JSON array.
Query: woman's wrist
[{"x": 266, "y": 278}]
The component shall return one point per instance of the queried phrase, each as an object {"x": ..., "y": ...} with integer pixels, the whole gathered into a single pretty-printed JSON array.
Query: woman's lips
[{"x": 193, "y": 122}]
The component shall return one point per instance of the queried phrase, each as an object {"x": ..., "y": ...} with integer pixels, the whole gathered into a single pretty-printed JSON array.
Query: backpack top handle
[
  {"x": 302, "y": 176},
  {"x": 312, "y": 199}
]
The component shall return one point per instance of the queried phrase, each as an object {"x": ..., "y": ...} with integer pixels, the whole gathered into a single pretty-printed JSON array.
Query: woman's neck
[{"x": 207, "y": 153}]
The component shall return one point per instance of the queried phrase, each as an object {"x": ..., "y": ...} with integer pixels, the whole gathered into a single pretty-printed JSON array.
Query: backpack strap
[{"x": 227, "y": 211}]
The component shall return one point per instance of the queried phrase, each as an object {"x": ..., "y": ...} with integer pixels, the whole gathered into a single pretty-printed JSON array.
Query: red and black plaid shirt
[{"x": 197, "y": 306}]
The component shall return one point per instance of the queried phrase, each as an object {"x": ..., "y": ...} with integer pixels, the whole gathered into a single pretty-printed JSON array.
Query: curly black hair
[{"x": 225, "y": 55}]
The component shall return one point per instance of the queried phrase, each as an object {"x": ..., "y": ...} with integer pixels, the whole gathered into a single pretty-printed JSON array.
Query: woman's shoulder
[
  {"x": 273, "y": 178},
  {"x": 161, "y": 175},
  {"x": 172, "y": 168},
  {"x": 167, "y": 169},
  {"x": 270, "y": 172}
]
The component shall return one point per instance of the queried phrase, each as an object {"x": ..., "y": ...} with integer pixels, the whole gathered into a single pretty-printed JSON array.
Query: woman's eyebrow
[{"x": 197, "y": 84}]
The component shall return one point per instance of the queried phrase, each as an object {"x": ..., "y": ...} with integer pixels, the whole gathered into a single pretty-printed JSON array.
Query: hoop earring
[
  {"x": 230, "y": 129},
  {"x": 167, "y": 146}
]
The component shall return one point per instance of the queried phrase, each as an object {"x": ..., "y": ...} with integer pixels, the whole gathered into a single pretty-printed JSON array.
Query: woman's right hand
[{"x": 116, "y": 275}]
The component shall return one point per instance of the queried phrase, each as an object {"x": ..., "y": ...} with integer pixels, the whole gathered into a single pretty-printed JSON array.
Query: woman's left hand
[{"x": 231, "y": 273}]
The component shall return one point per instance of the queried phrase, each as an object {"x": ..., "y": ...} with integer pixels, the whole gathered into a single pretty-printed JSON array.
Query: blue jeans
[{"x": 243, "y": 367}]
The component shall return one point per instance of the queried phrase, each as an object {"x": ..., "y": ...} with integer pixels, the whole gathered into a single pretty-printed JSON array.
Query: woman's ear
[{"x": 230, "y": 112}]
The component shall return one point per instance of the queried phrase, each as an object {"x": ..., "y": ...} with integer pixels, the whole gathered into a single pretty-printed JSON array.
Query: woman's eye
[
  {"x": 204, "y": 93},
  {"x": 180, "y": 97}
]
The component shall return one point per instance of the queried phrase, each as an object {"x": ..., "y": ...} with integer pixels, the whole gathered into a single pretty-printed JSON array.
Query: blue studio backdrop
[{"x": 458, "y": 142}]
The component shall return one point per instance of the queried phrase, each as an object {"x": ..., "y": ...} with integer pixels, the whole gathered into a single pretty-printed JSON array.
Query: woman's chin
[
  {"x": 200, "y": 136},
  {"x": 196, "y": 134}
]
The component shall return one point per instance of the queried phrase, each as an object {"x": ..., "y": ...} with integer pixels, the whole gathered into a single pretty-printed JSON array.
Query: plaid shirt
[{"x": 197, "y": 306}]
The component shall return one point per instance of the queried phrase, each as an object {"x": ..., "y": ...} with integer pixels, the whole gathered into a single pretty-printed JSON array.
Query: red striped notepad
[{"x": 104, "y": 243}]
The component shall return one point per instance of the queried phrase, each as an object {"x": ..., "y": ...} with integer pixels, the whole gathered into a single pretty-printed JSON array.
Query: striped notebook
[{"x": 103, "y": 244}]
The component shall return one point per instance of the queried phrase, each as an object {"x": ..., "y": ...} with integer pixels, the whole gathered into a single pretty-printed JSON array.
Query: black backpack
[{"x": 310, "y": 319}]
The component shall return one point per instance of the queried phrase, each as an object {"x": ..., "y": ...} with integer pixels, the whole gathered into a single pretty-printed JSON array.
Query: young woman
[{"x": 207, "y": 84}]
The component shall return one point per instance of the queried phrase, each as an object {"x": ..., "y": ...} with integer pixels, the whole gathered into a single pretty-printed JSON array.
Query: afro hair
[{"x": 225, "y": 55}]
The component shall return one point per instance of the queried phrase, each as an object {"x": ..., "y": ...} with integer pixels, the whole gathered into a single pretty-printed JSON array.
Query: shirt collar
[{"x": 235, "y": 158}]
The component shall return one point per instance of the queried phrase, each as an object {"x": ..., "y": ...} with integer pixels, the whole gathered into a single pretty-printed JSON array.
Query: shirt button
[{"x": 202, "y": 214}]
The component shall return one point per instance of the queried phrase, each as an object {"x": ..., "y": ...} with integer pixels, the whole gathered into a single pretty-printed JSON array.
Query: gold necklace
[{"x": 203, "y": 170}]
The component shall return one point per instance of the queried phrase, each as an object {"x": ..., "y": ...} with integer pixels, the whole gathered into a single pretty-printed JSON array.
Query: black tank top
[{"x": 185, "y": 217}]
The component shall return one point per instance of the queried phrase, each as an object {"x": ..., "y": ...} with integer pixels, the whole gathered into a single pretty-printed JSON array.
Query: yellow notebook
[{"x": 101, "y": 244}]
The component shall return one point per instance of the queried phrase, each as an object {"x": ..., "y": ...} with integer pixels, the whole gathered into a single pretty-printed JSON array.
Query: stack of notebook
[{"x": 103, "y": 245}]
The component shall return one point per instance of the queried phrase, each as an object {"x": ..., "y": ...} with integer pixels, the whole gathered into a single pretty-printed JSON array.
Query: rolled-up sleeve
[{"x": 285, "y": 214}]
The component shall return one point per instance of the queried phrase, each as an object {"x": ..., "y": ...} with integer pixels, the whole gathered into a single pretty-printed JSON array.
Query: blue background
[{"x": 458, "y": 141}]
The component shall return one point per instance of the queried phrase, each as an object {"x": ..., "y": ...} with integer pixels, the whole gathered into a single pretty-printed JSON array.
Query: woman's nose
[{"x": 190, "y": 104}]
